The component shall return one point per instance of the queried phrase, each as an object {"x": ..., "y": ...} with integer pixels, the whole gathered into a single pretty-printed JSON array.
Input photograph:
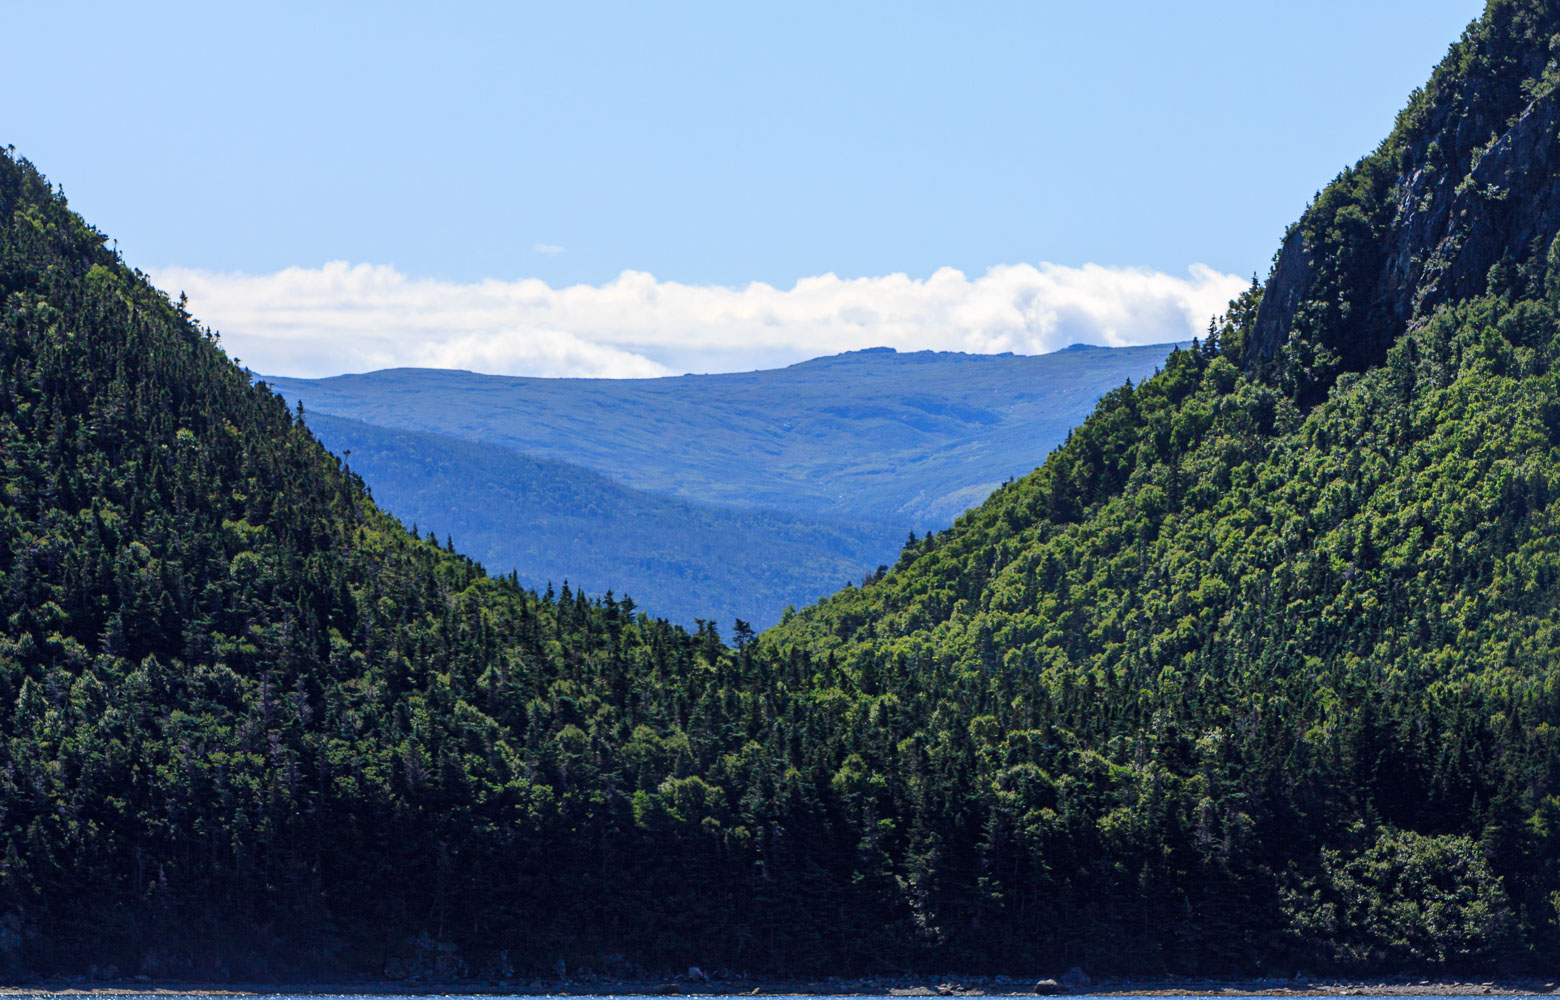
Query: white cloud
[
  {"x": 343, "y": 317},
  {"x": 547, "y": 249}
]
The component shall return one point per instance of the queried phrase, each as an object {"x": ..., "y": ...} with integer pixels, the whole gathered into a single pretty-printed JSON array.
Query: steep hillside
[
  {"x": 250, "y": 726},
  {"x": 550, "y": 521},
  {"x": 1296, "y": 597},
  {"x": 871, "y": 436}
]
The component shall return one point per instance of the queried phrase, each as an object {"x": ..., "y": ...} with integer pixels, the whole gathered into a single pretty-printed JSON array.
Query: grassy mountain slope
[
  {"x": 871, "y": 436},
  {"x": 552, "y": 522}
]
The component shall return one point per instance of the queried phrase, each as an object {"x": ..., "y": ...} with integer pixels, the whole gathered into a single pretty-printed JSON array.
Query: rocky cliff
[{"x": 1466, "y": 188}]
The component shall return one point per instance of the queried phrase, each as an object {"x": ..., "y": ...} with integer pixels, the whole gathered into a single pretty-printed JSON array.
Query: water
[{"x": 998, "y": 991}]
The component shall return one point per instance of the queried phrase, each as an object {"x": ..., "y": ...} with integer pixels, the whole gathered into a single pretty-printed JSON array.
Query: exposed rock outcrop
[{"x": 1471, "y": 180}]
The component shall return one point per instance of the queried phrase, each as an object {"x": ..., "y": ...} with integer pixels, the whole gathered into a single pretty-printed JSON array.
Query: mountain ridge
[
  {"x": 551, "y": 523},
  {"x": 832, "y": 436}
]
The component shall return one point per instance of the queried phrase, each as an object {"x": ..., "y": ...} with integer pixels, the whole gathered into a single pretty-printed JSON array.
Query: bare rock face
[
  {"x": 1286, "y": 289},
  {"x": 1475, "y": 184},
  {"x": 1507, "y": 205},
  {"x": 1451, "y": 228}
]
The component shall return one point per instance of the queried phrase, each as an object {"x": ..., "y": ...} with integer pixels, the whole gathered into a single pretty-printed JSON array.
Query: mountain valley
[{"x": 720, "y": 497}]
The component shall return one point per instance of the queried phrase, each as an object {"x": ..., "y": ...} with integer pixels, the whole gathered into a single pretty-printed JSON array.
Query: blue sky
[{"x": 705, "y": 144}]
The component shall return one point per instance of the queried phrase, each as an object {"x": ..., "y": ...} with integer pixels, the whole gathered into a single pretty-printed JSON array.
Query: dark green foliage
[
  {"x": 1408, "y": 900},
  {"x": 1274, "y": 627},
  {"x": 251, "y": 723},
  {"x": 1283, "y": 592}
]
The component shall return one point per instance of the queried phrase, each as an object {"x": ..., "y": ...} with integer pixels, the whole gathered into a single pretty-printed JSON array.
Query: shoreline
[{"x": 945, "y": 986}]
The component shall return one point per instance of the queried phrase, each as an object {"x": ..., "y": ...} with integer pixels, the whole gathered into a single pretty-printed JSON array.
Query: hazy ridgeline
[
  {"x": 1257, "y": 672},
  {"x": 715, "y": 497}
]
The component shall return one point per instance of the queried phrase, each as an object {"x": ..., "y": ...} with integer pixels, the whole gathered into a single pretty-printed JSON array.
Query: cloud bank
[{"x": 358, "y": 317}]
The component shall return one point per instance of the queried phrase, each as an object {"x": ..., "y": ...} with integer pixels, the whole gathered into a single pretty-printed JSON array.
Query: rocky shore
[{"x": 1074, "y": 983}]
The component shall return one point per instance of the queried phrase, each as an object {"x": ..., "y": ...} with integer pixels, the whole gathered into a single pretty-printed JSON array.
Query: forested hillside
[
  {"x": 254, "y": 727},
  {"x": 1257, "y": 672},
  {"x": 1295, "y": 598}
]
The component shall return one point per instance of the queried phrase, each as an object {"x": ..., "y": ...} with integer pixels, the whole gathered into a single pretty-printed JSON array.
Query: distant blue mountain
[
  {"x": 725, "y": 496},
  {"x": 869, "y": 436},
  {"x": 552, "y": 522}
]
